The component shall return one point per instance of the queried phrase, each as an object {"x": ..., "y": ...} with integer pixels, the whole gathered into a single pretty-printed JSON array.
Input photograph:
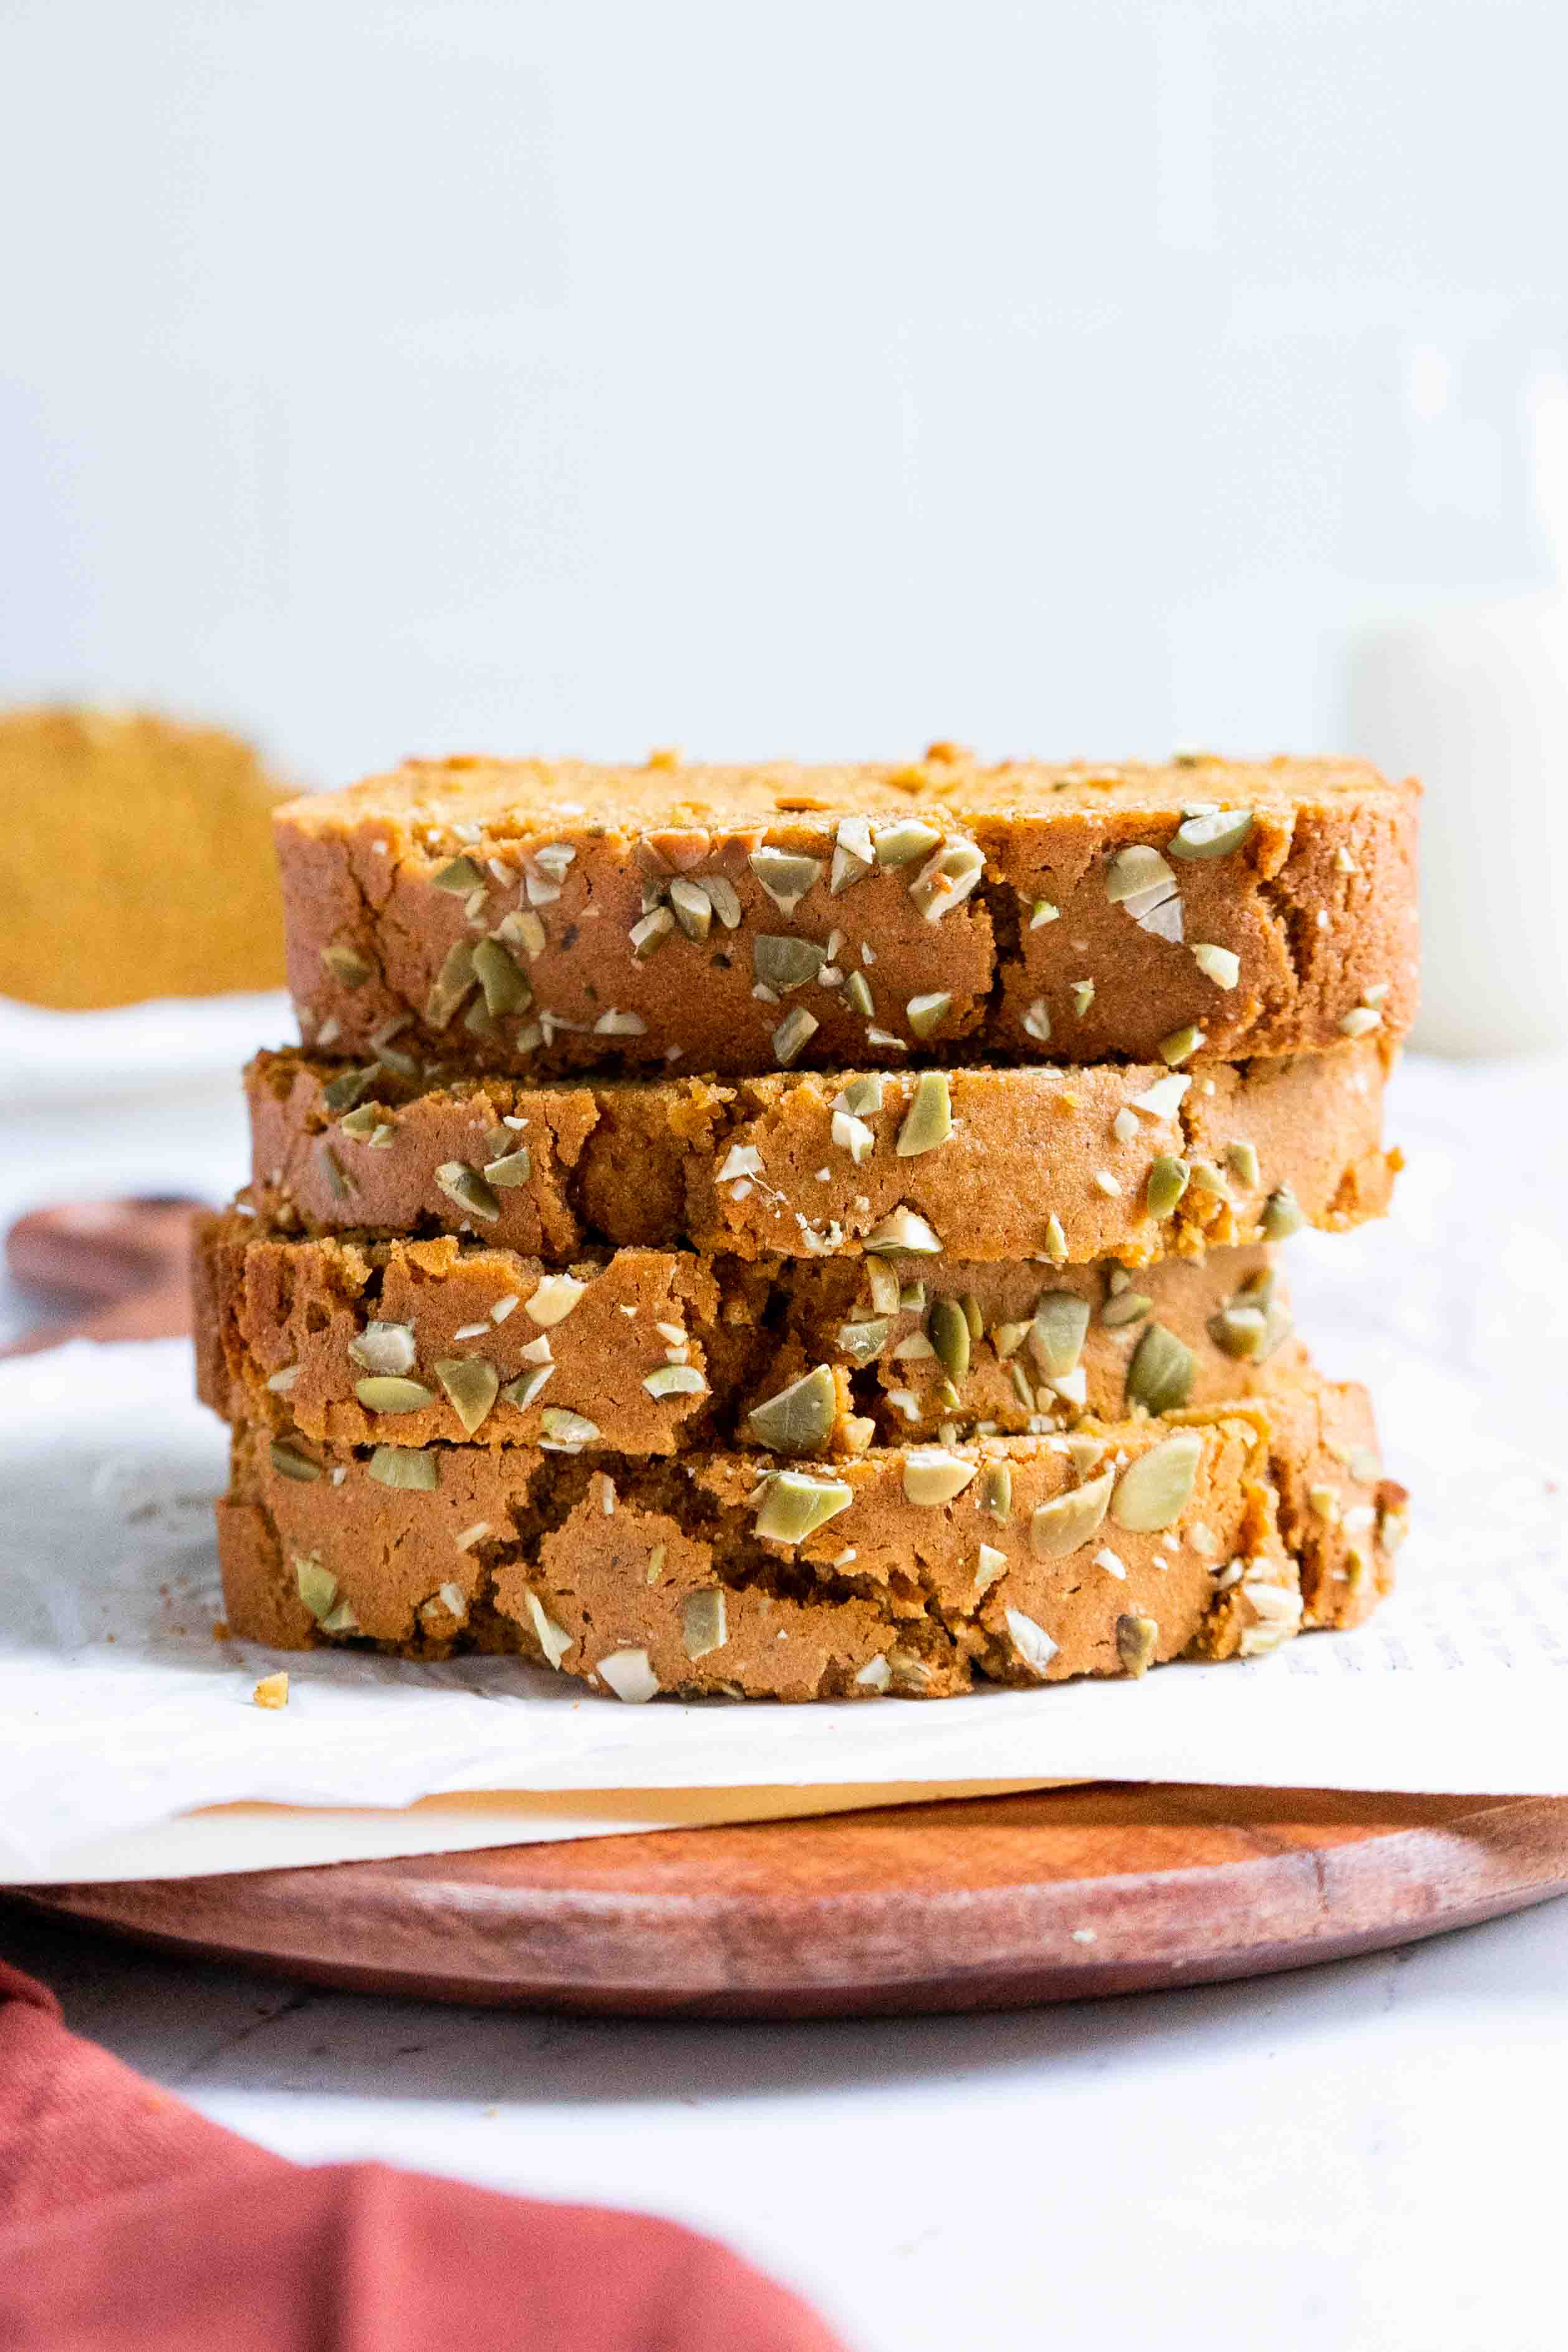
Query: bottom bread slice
[{"x": 915, "y": 1569}]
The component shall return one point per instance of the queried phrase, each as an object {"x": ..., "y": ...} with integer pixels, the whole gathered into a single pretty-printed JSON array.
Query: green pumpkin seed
[
  {"x": 785, "y": 876},
  {"x": 785, "y": 963},
  {"x": 384, "y": 1348},
  {"x": 318, "y": 1587},
  {"x": 468, "y": 1188},
  {"x": 290, "y": 1464},
  {"x": 472, "y": 1386},
  {"x": 996, "y": 1491},
  {"x": 1168, "y": 1180},
  {"x": 932, "y": 1477},
  {"x": 1127, "y": 1306},
  {"x": 1138, "y": 1639},
  {"x": 461, "y": 876},
  {"x": 565, "y": 1430},
  {"x": 552, "y": 1298},
  {"x": 1221, "y": 965},
  {"x": 1133, "y": 870},
  {"x": 338, "y": 1176},
  {"x": 1160, "y": 1375},
  {"x": 506, "y": 989},
  {"x": 693, "y": 909},
  {"x": 675, "y": 1379},
  {"x": 792, "y": 1034},
  {"x": 795, "y": 1507},
  {"x": 902, "y": 1233},
  {"x": 947, "y": 877},
  {"x": 553, "y": 1639},
  {"x": 973, "y": 1317},
  {"x": 902, "y": 843},
  {"x": 345, "y": 962},
  {"x": 361, "y": 1125},
  {"x": 702, "y": 1627},
  {"x": 861, "y": 1341},
  {"x": 1057, "y": 1334},
  {"x": 1282, "y": 1215},
  {"x": 522, "y": 1392},
  {"x": 950, "y": 1336},
  {"x": 1032, "y": 1643},
  {"x": 1238, "y": 1330},
  {"x": 514, "y": 1167},
  {"x": 384, "y": 1393},
  {"x": 857, "y": 988},
  {"x": 1067, "y": 1522},
  {"x": 1153, "y": 1490},
  {"x": 862, "y": 1097},
  {"x": 343, "y": 1093},
  {"x": 799, "y": 1419},
  {"x": 648, "y": 935},
  {"x": 1216, "y": 834},
  {"x": 407, "y": 1467},
  {"x": 1241, "y": 1159},
  {"x": 929, "y": 1119},
  {"x": 1181, "y": 1044},
  {"x": 451, "y": 984},
  {"x": 341, "y": 1620},
  {"x": 923, "y": 1013}
]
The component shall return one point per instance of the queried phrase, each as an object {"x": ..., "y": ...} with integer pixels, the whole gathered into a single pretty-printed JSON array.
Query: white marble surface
[{"x": 1363, "y": 2156}]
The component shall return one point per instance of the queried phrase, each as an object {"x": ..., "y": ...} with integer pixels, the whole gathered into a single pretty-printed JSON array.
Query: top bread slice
[{"x": 540, "y": 917}]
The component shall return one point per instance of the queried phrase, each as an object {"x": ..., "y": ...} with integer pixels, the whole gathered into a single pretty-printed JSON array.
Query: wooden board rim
[{"x": 981, "y": 1903}]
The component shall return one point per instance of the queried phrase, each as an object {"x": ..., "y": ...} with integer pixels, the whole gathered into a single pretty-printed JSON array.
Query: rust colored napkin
[{"x": 128, "y": 2223}]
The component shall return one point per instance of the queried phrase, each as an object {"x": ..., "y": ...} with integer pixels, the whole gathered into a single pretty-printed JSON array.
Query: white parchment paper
[{"x": 119, "y": 1710}]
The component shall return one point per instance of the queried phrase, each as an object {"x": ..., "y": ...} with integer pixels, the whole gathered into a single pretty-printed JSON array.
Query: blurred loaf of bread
[{"x": 135, "y": 860}]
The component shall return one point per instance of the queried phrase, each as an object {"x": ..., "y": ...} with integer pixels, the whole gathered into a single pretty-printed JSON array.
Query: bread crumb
[{"x": 271, "y": 1691}]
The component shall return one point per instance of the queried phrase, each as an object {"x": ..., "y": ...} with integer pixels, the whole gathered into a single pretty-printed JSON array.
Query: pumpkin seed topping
[
  {"x": 1238, "y": 1330},
  {"x": 901, "y": 843},
  {"x": 950, "y": 1338},
  {"x": 795, "y": 1506},
  {"x": 362, "y": 1124},
  {"x": 1163, "y": 1099},
  {"x": 1153, "y": 1491},
  {"x": 783, "y": 963},
  {"x": 1036, "y": 1022},
  {"x": 1241, "y": 1159},
  {"x": 1067, "y": 1521},
  {"x": 675, "y": 1379},
  {"x": 552, "y": 1298},
  {"x": 565, "y": 1432},
  {"x": 800, "y": 1418},
  {"x": 1215, "y": 834},
  {"x": 1057, "y": 1333},
  {"x": 451, "y": 984},
  {"x": 931, "y": 1477},
  {"x": 693, "y": 907},
  {"x": 289, "y": 1463},
  {"x": 1138, "y": 880},
  {"x": 468, "y": 1188},
  {"x": 460, "y": 876},
  {"x": 784, "y": 876},
  {"x": 861, "y": 1341},
  {"x": 521, "y": 1392},
  {"x": 1282, "y": 1215},
  {"x": 923, "y": 1013},
  {"x": 1126, "y": 1307},
  {"x": 384, "y": 1348},
  {"x": 1168, "y": 1180},
  {"x": 1160, "y": 1375},
  {"x": 857, "y": 988},
  {"x": 929, "y": 1119},
  {"x": 1042, "y": 912},
  {"x": 702, "y": 1627},
  {"x": 1220, "y": 965},
  {"x": 341, "y": 1093},
  {"x": 1032, "y": 1643},
  {"x": 345, "y": 962},
  {"x": 1360, "y": 1021},
  {"x": 1055, "y": 1240},
  {"x": 903, "y": 1232},
  {"x": 505, "y": 990},
  {"x": 523, "y": 928},
  {"x": 876, "y": 1675},
  {"x": 649, "y": 933},
  {"x": 996, "y": 1491},
  {"x": 616, "y": 1024},
  {"x": 386, "y": 1392},
  {"x": 1138, "y": 1639},
  {"x": 1181, "y": 1044},
  {"x": 947, "y": 879},
  {"x": 793, "y": 1034},
  {"x": 318, "y": 1587},
  {"x": 553, "y": 1639},
  {"x": 415, "y": 1469},
  {"x": 991, "y": 1568},
  {"x": 472, "y": 1386}
]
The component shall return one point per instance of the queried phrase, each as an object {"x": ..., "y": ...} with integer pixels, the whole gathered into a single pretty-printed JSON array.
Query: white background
[{"x": 491, "y": 374}]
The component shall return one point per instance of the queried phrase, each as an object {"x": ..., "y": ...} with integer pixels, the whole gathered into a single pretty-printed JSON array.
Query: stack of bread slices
[{"x": 812, "y": 1232}]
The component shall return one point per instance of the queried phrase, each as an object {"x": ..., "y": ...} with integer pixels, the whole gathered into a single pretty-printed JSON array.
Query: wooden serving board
[{"x": 983, "y": 1904}]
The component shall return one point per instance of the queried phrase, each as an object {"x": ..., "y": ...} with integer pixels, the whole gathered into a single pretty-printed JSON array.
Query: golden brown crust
[
  {"x": 1312, "y": 915},
  {"x": 277, "y": 1321},
  {"x": 1041, "y": 1164},
  {"x": 666, "y": 1567},
  {"x": 135, "y": 860}
]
